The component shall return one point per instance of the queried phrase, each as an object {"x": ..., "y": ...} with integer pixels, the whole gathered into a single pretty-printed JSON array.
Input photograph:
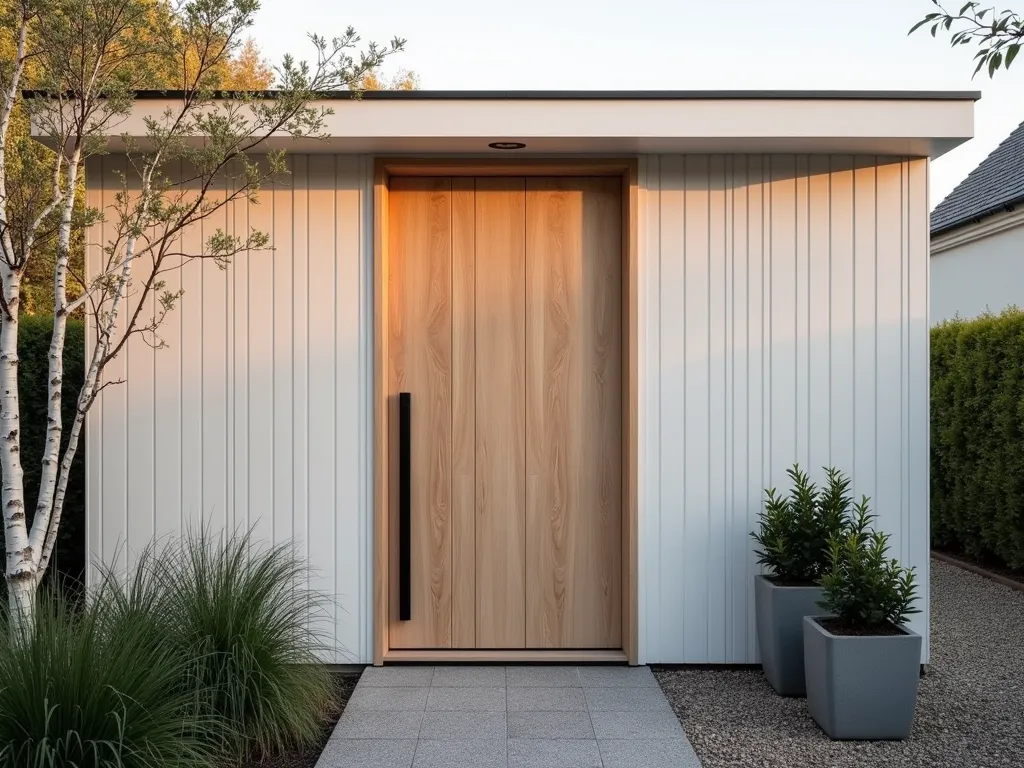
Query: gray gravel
[{"x": 970, "y": 708}]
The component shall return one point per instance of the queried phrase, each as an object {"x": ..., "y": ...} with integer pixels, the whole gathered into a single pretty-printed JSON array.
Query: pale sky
[{"x": 660, "y": 44}]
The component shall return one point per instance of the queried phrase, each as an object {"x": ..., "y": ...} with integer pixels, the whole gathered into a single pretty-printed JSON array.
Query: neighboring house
[
  {"x": 613, "y": 338},
  {"x": 977, "y": 250}
]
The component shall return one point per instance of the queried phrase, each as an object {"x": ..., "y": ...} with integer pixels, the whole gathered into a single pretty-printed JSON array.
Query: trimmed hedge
[
  {"x": 977, "y": 437},
  {"x": 34, "y": 333}
]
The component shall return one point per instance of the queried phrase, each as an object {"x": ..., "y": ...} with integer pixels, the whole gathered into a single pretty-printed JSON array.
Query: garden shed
[{"x": 520, "y": 365}]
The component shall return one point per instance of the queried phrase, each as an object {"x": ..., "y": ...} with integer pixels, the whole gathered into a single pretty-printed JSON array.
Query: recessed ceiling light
[{"x": 506, "y": 145}]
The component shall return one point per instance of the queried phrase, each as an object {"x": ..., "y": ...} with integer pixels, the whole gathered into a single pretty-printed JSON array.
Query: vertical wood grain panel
[
  {"x": 463, "y": 412},
  {"x": 802, "y": 311},
  {"x": 500, "y": 430},
  {"x": 573, "y": 413},
  {"x": 419, "y": 348}
]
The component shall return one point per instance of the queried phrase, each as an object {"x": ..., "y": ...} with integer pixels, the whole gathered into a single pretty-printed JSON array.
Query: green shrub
[
  {"x": 861, "y": 585},
  {"x": 34, "y": 334},
  {"x": 794, "y": 531},
  {"x": 89, "y": 686},
  {"x": 243, "y": 616},
  {"x": 977, "y": 437}
]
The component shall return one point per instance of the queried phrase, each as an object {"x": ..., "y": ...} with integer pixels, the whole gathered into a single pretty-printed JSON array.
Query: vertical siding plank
[
  {"x": 864, "y": 333},
  {"x": 299, "y": 414},
  {"x": 672, "y": 542},
  {"x": 756, "y": 363},
  {"x": 801, "y": 305},
  {"x": 843, "y": 366},
  {"x": 322, "y": 450},
  {"x": 818, "y": 313},
  {"x": 283, "y": 372},
  {"x": 696, "y": 400},
  {"x": 239, "y": 519},
  {"x": 186, "y": 381},
  {"x": 94, "y": 445},
  {"x": 347, "y": 509},
  {"x": 716, "y": 511},
  {"x": 918, "y": 405},
  {"x": 259, "y": 355},
  {"x": 117, "y": 464},
  {"x": 783, "y": 318},
  {"x": 889, "y": 351},
  {"x": 215, "y": 388},
  {"x": 649, "y": 365},
  {"x": 739, "y": 445}
]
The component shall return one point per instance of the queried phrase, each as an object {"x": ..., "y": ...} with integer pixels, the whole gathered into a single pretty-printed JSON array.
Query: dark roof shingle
[{"x": 996, "y": 183}]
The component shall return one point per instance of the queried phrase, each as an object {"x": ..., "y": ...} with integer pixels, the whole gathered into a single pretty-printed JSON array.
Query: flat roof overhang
[{"x": 920, "y": 124}]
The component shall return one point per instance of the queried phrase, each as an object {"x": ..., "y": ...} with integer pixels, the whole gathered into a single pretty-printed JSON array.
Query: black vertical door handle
[{"x": 404, "y": 507}]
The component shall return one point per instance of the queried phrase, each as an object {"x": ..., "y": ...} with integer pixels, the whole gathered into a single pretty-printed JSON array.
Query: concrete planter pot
[
  {"x": 861, "y": 687},
  {"x": 780, "y": 632}
]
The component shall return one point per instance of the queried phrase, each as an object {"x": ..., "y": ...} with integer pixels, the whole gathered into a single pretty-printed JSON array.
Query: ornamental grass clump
[
  {"x": 242, "y": 615},
  {"x": 868, "y": 592},
  {"x": 93, "y": 686},
  {"x": 795, "y": 530}
]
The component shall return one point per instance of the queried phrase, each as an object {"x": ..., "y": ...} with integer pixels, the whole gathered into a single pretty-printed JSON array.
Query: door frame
[{"x": 622, "y": 167}]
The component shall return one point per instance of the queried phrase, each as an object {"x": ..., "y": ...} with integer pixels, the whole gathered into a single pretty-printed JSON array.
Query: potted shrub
[
  {"x": 862, "y": 662},
  {"x": 792, "y": 541}
]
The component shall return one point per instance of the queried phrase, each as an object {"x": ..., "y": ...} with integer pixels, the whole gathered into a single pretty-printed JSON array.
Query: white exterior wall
[
  {"x": 984, "y": 273},
  {"x": 258, "y": 414},
  {"x": 784, "y": 318}
]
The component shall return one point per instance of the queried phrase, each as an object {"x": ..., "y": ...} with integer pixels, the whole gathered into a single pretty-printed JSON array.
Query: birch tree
[{"x": 92, "y": 55}]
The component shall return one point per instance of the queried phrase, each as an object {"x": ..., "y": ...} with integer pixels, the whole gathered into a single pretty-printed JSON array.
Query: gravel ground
[{"x": 970, "y": 707}]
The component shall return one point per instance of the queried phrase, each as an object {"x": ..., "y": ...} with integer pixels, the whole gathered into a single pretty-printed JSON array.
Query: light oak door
[
  {"x": 573, "y": 413},
  {"x": 505, "y": 330}
]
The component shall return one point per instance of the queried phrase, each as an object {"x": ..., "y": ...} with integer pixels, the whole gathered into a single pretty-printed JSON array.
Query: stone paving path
[{"x": 508, "y": 717}]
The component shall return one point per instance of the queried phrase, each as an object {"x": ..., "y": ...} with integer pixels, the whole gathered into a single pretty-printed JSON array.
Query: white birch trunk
[
  {"x": 42, "y": 522},
  {"x": 20, "y": 565}
]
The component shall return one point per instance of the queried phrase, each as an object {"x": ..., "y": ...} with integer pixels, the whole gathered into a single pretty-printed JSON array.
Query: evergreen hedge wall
[
  {"x": 34, "y": 333},
  {"x": 977, "y": 437}
]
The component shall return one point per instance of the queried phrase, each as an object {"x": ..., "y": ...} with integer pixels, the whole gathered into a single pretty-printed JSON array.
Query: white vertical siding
[
  {"x": 784, "y": 304},
  {"x": 784, "y": 316},
  {"x": 256, "y": 414}
]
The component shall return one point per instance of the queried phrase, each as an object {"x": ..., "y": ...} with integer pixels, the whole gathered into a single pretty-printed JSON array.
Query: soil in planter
[
  {"x": 344, "y": 683},
  {"x": 847, "y": 629},
  {"x": 778, "y": 582}
]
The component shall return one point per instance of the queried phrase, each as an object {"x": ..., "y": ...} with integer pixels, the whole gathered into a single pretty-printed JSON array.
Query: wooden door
[
  {"x": 420, "y": 363},
  {"x": 504, "y": 315},
  {"x": 573, "y": 413}
]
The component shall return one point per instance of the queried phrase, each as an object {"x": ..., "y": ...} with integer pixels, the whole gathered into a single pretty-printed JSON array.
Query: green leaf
[
  {"x": 964, "y": 9},
  {"x": 1011, "y": 54}
]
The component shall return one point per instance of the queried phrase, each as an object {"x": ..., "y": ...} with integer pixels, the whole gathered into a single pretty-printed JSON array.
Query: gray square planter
[
  {"x": 780, "y": 632},
  {"x": 861, "y": 687}
]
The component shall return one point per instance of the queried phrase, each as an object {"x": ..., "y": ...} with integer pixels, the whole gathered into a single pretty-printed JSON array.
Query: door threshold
[{"x": 503, "y": 656}]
